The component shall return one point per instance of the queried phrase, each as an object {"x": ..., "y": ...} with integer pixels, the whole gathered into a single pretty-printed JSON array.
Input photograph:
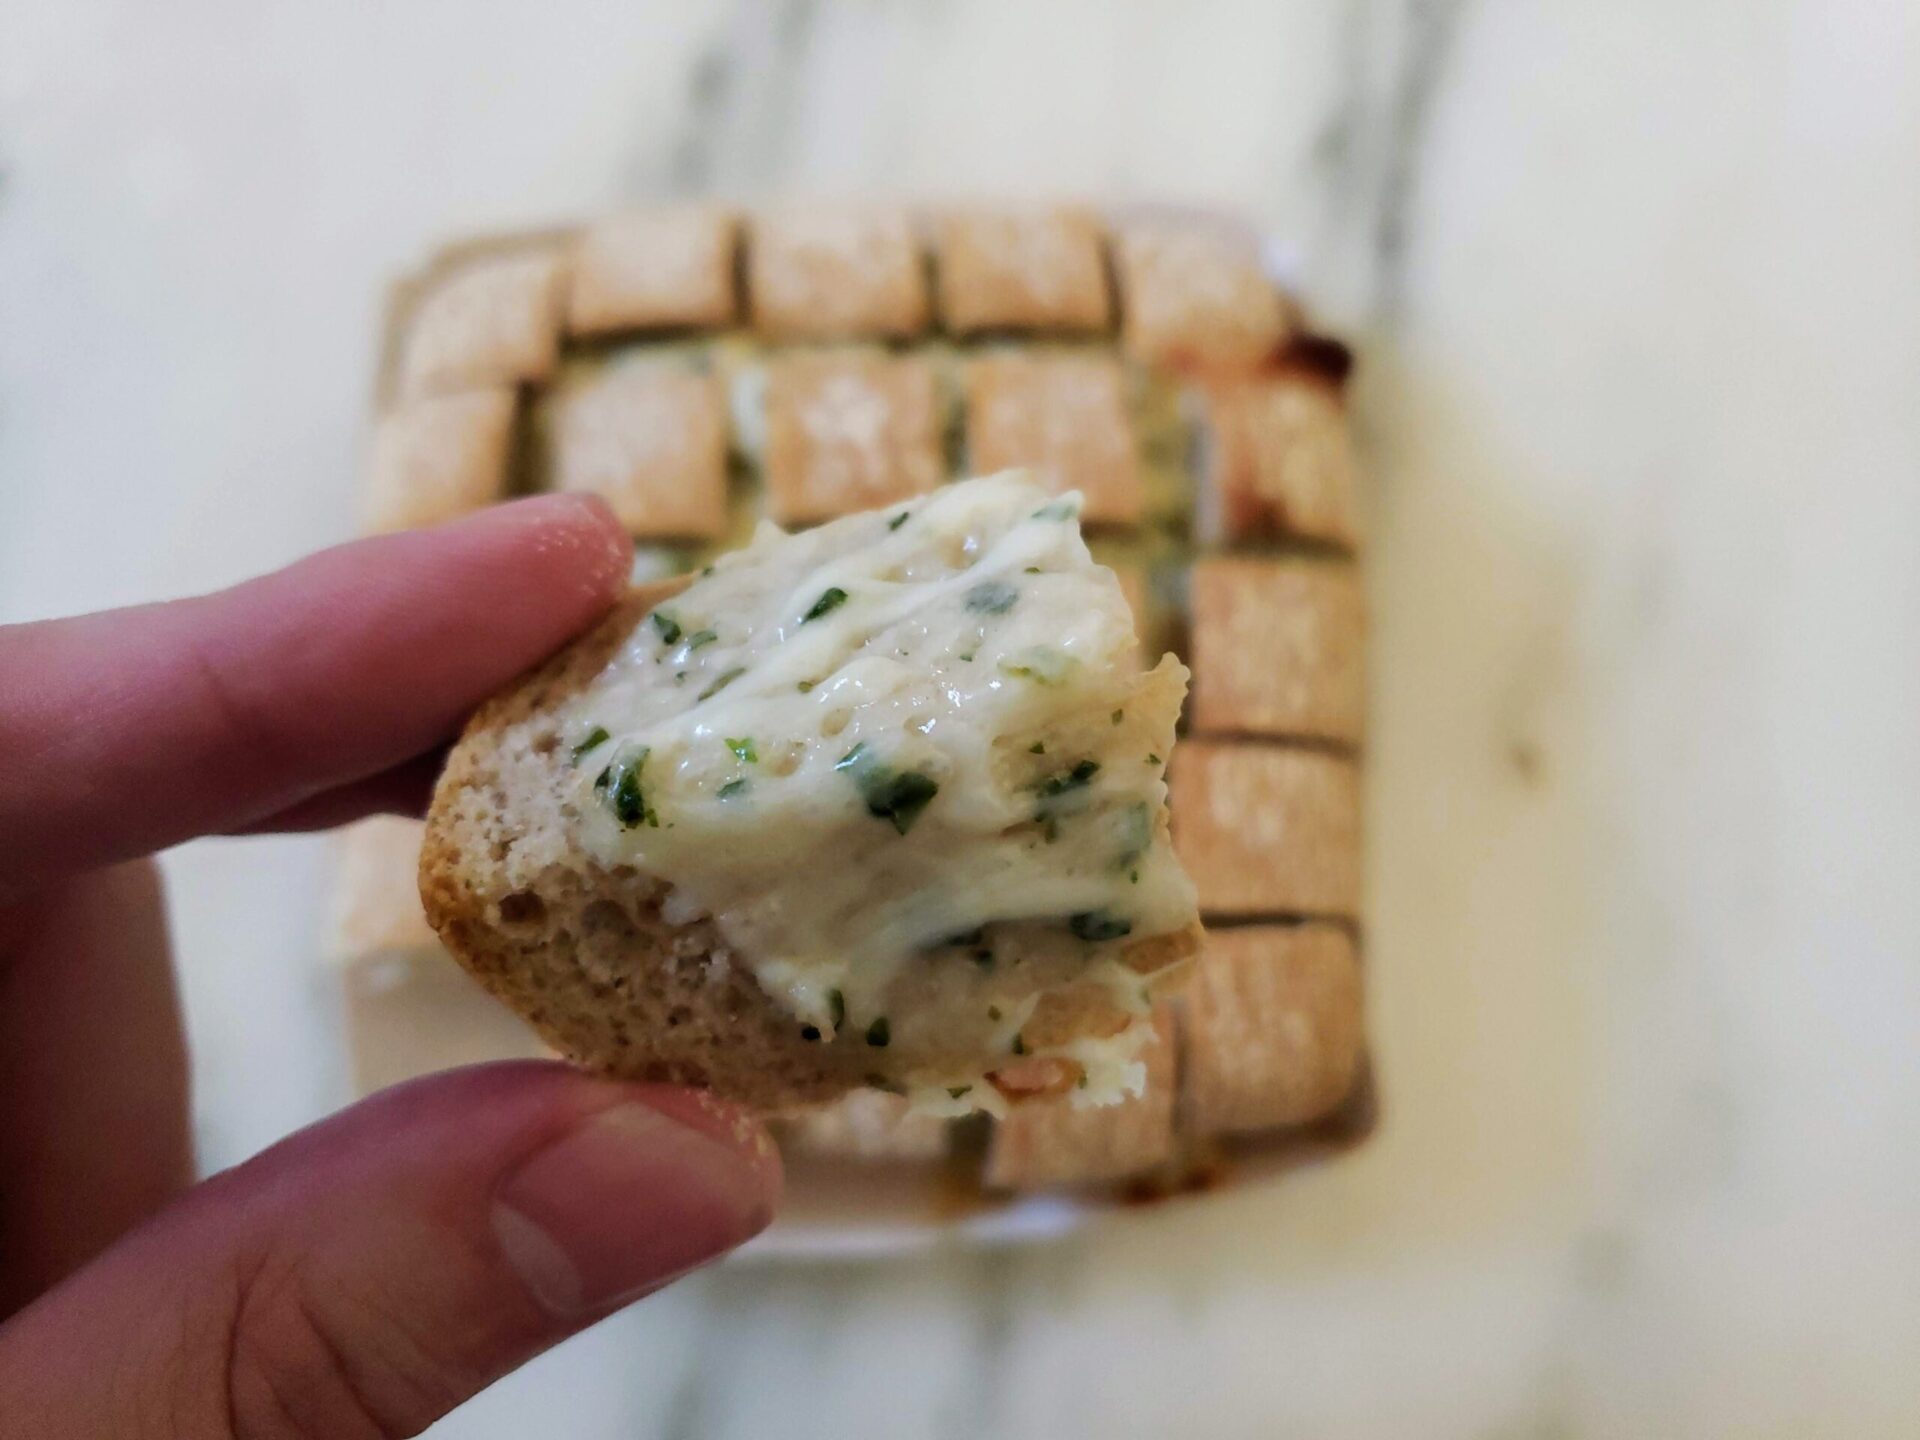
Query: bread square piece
[
  {"x": 491, "y": 320},
  {"x": 1063, "y": 417},
  {"x": 1280, "y": 462},
  {"x": 1192, "y": 295},
  {"x": 1273, "y": 1027},
  {"x": 865, "y": 1125},
  {"x": 654, "y": 270},
  {"x": 653, "y": 441},
  {"x": 1277, "y": 648},
  {"x": 836, "y": 274},
  {"x": 1022, "y": 270},
  {"x": 1050, "y": 1142},
  {"x": 848, "y": 432},
  {"x": 437, "y": 457},
  {"x": 1267, "y": 830}
]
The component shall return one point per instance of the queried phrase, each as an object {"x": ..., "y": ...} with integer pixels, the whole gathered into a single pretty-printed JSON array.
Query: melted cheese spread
[{"x": 856, "y": 745}]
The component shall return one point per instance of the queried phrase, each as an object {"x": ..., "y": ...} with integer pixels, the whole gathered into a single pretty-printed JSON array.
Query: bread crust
[{"x": 582, "y": 952}]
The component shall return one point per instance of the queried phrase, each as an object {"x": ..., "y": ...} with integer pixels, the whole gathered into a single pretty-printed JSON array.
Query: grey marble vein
[{"x": 1429, "y": 30}]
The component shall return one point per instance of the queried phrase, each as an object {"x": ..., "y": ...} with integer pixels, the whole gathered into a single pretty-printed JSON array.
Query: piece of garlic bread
[{"x": 880, "y": 803}]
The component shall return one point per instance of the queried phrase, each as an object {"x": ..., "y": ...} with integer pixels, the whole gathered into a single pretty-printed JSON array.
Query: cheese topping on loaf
[{"x": 887, "y": 743}]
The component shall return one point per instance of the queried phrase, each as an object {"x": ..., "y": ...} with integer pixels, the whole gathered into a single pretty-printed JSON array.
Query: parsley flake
[
  {"x": 1061, "y": 781},
  {"x": 1097, "y": 925},
  {"x": 831, "y": 599},
  {"x": 618, "y": 787},
  {"x": 727, "y": 677},
  {"x": 893, "y": 795},
  {"x": 991, "y": 597}
]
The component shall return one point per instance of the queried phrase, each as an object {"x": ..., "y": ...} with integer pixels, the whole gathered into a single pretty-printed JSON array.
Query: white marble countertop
[{"x": 1635, "y": 288}]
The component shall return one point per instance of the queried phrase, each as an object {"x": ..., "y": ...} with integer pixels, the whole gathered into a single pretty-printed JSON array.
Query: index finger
[{"x": 129, "y": 730}]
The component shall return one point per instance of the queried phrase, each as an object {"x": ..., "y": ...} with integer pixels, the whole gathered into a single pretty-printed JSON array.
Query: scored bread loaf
[{"x": 594, "y": 951}]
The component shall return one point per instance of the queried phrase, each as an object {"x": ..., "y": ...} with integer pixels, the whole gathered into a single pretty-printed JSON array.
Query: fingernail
[{"x": 627, "y": 1200}]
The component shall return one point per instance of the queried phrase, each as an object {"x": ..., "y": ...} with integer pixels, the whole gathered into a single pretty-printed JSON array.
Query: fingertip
[
  {"x": 729, "y": 1123},
  {"x": 632, "y": 1197},
  {"x": 582, "y": 533}
]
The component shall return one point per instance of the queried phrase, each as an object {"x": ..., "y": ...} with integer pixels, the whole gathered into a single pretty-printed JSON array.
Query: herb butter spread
[{"x": 871, "y": 750}]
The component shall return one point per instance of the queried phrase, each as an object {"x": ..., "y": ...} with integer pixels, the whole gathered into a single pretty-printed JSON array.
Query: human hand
[{"x": 373, "y": 1271}]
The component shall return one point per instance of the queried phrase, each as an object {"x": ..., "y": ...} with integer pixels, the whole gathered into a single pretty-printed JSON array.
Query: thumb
[{"x": 372, "y": 1272}]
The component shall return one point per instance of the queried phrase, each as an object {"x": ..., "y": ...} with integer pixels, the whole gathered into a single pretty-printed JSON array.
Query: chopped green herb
[
  {"x": 832, "y": 598},
  {"x": 1019, "y": 1045},
  {"x": 668, "y": 627},
  {"x": 1034, "y": 570},
  {"x": 966, "y": 655},
  {"x": 1061, "y": 509},
  {"x": 596, "y": 737},
  {"x": 1153, "y": 759},
  {"x": 1118, "y": 716},
  {"x": 809, "y": 1032},
  {"x": 618, "y": 787},
  {"x": 993, "y": 1012},
  {"x": 727, "y": 677},
  {"x": 701, "y": 637},
  {"x": 895, "y": 795},
  {"x": 900, "y": 798},
  {"x": 1099, "y": 925},
  {"x": 1039, "y": 747},
  {"x": 879, "y": 1033},
  {"x": 897, "y": 521},
  {"x": 1133, "y": 877},
  {"x": 991, "y": 597},
  {"x": 734, "y": 787},
  {"x": 743, "y": 749},
  {"x": 956, "y": 1091},
  {"x": 804, "y": 686},
  {"x": 1082, "y": 1081},
  {"x": 1061, "y": 781},
  {"x": 679, "y": 677},
  {"x": 836, "y": 1008},
  {"x": 705, "y": 570}
]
